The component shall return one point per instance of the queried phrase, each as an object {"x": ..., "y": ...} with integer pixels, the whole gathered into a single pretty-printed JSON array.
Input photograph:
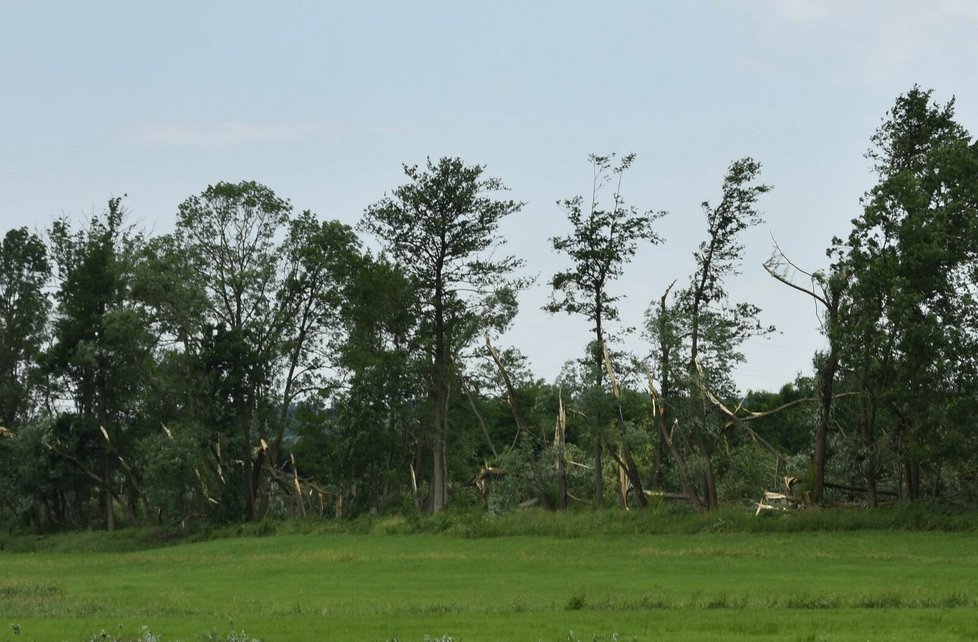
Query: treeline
[{"x": 259, "y": 361}]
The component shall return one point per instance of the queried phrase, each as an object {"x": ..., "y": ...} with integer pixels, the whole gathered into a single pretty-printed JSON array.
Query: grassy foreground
[{"x": 865, "y": 585}]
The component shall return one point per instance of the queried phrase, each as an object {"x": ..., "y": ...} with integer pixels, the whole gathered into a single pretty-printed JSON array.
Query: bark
[
  {"x": 826, "y": 383},
  {"x": 664, "y": 367},
  {"x": 247, "y": 479},
  {"x": 912, "y": 473},
  {"x": 858, "y": 489},
  {"x": 439, "y": 476},
  {"x": 439, "y": 395},
  {"x": 709, "y": 479},
  {"x": 598, "y": 442},
  {"x": 107, "y": 496}
]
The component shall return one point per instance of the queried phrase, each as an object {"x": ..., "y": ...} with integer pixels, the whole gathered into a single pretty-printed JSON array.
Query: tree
[
  {"x": 228, "y": 236},
  {"x": 368, "y": 427},
  {"x": 324, "y": 262},
  {"x": 703, "y": 329},
  {"x": 908, "y": 311},
  {"x": 271, "y": 285},
  {"x": 99, "y": 351},
  {"x": 601, "y": 243},
  {"x": 24, "y": 271},
  {"x": 441, "y": 229}
]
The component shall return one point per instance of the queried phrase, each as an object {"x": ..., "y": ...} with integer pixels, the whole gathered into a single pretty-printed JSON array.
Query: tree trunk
[
  {"x": 560, "y": 441},
  {"x": 438, "y": 473},
  {"x": 107, "y": 495},
  {"x": 561, "y": 482},
  {"x": 521, "y": 428},
  {"x": 597, "y": 356},
  {"x": 598, "y": 474},
  {"x": 912, "y": 472},
  {"x": 709, "y": 480},
  {"x": 247, "y": 480},
  {"x": 826, "y": 383},
  {"x": 439, "y": 396},
  {"x": 658, "y": 461}
]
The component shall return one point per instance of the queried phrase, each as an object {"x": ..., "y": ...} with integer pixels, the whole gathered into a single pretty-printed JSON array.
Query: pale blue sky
[{"x": 323, "y": 101}]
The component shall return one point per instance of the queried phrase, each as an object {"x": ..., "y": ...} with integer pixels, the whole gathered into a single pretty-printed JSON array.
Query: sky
[{"x": 324, "y": 101}]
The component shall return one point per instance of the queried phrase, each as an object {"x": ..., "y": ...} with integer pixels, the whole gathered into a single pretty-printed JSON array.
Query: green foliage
[
  {"x": 698, "y": 335},
  {"x": 261, "y": 363},
  {"x": 167, "y": 463},
  {"x": 907, "y": 317},
  {"x": 745, "y": 472},
  {"x": 600, "y": 244},
  {"x": 441, "y": 228},
  {"x": 24, "y": 271},
  {"x": 789, "y": 430}
]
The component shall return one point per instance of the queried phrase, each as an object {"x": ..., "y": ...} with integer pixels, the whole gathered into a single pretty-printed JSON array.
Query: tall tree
[
  {"x": 24, "y": 271},
  {"x": 442, "y": 229},
  {"x": 100, "y": 346},
  {"x": 370, "y": 429},
  {"x": 324, "y": 260},
  {"x": 229, "y": 235},
  {"x": 709, "y": 327},
  {"x": 602, "y": 242},
  {"x": 908, "y": 311}
]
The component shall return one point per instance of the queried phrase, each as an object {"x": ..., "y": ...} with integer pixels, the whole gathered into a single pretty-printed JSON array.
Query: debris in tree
[{"x": 480, "y": 481}]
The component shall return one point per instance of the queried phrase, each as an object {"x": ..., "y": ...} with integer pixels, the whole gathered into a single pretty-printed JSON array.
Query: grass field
[{"x": 861, "y": 585}]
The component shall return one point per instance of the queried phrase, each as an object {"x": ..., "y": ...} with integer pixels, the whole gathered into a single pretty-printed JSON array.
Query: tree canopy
[{"x": 262, "y": 361}]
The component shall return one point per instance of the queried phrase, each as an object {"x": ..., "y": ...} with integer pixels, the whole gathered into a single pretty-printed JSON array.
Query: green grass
[{"x": 712, "y": 582}]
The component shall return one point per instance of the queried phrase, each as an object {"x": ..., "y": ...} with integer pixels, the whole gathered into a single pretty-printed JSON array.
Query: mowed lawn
[{"x": 868, "y": 585}]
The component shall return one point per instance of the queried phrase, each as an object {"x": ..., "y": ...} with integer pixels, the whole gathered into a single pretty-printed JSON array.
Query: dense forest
[{"x": 262, "y": 362}]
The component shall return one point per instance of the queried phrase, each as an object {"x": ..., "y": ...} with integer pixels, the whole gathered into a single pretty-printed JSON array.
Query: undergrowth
[{"x": 478, "y": 524}]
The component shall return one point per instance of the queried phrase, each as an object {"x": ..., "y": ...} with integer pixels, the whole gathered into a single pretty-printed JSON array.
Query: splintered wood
[{"x": 780, "y": 501}]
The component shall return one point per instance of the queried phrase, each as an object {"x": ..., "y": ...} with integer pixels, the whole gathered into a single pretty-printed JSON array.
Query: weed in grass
[
  {"x": 809, "y": 601},
  {"x": 955, "y": 600},
  {"x": 571, "y": 637},
  {"x": 888, "y": 600},
  {"x": 576, "y": 602},
  {"x": 144, "y": 635},
  {"x": 230, "y": 636},
  {"x": 9, "y": 591}
]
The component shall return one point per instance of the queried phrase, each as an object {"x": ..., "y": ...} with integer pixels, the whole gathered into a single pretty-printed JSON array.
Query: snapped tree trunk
[{"x": 560, "y": 441}]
